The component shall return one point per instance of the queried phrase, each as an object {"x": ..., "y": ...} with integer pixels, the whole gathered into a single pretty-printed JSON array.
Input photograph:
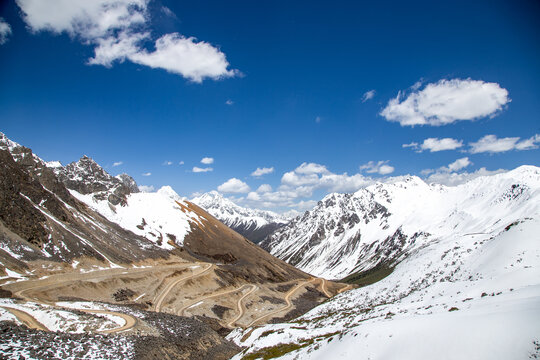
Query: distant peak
[{"x": 169, "y": 192}]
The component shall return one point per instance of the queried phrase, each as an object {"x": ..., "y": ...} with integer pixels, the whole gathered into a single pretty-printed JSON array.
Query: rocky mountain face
[
  {"x": 87, "y": 177},
  {"x": 62, "y": 213},
  {"x": 85, "y": 258},
  {"x": 253, "y": 224},
  {"x": 382, "y": 224}
]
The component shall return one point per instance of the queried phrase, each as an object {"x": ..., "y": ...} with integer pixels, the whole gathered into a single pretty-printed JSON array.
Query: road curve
[
  {"x": 323, "y": 287},
  {"x": 158, "y": 300},
  {"x": 287, "y": 300},
  {"x": 130, "y": 321},
  {"x": 240, "y": 307},
  {"x": 348, "y": 287},
  {"x": 193, "y": 302},
  {"x": 26, "y": 318}
]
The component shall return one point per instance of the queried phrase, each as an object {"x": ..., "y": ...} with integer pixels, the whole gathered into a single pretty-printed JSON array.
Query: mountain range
[
  {"x": 84, "y": 251},
  {"x": 252, "y": 223},
  {"x": 444, "y": 272}
]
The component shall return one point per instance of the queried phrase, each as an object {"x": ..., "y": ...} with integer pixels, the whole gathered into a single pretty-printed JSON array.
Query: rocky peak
[
  {"x": 129, "y": 182},
  {"x": 87, "y": 177}
]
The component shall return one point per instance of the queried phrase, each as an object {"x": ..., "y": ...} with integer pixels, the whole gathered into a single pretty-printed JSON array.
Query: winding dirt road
[
  {"x": 287, "y": 300},
  {"x": 60, "y": 279},
  {"x": 130, "y": 321},
  {"x": 324, "y": 289},
  {"x": 26, "y": 318},
  {"x": 158, "y": 301},
  {"x": 195, "y": 301},
  {"x": 240, "y": 306},
  {"x": 348, "y": 287}
]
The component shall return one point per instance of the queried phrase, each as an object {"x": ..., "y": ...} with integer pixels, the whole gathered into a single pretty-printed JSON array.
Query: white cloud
[
  {"x": 380, "y": 167},
  {"x": 147, "y": 188},
  {"x": 197, "y": 169},
  {"x": 368, "y": 95},
  {"x": 234, "y": 185},
  {"x": 253, "y": 196},
  {"x": 5, "y": 31},
  {"x": 82, "y": 18},
  {"x": 459, "y": 164},
  {"x": 167, "y": 163},
  {"x": 168, "y": 12},
  {"x": 311, "y": 168},
  {"x": 435, "y": 144},
  {"x": 118, "y": 163},
  {"x": 229, "y": 102},
  {"x": 453, "y": 178},
  {"x": 262, "y": 171},
  {"x": 194, "y": 60},
  {"x": 118, "y": 29},
  {"x": 181, "y": 163},
  {"x": 207, "y": 160},
  {"x": 147, "y": 174},
  {"x": 447, "y": 101},
  {"x": 492, "y": 144},
  {"x": 264, "y": 188},
  {"x": 318, "y": 119},
  {"x": 304, "y": 205}
]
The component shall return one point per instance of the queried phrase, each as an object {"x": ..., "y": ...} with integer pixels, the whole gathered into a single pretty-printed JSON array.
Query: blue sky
[{"x": 275, "y": 85}]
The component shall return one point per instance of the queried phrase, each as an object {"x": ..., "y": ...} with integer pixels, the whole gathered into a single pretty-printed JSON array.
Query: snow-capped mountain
[
  {"x": 465, "y": 268},
  {"x": 87, "y": 177},
  {"x": 253, "y": 224},
  {"x": 53, "y": 213},
  {"x": 384, "y": 223}
]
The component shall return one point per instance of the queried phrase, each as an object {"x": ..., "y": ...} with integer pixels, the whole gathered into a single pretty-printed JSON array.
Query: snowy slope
[
  {"x": 253, "y": 224},
  {"x": 161, "y": 217},
  {"x": 458, "y": 296},
  {"x": 384, "y": 223}
]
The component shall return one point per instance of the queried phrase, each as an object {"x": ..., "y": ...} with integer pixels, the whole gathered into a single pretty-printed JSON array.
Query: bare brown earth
[{"x": 177, "y": 286}]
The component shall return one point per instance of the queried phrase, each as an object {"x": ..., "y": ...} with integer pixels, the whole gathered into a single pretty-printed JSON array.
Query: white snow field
[{"x": 468, "y": 290}]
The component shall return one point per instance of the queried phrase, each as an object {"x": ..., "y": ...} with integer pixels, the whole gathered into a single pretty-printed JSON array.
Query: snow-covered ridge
[
  {"x": 385, "y": 222},
  {"x": 233, "y": 215},
  {"x": 161, "y": 217},
  {"x": 456, "y": 297}
]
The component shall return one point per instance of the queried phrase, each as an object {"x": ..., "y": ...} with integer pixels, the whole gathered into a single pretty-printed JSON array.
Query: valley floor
[{"x": 89, "y": 299}]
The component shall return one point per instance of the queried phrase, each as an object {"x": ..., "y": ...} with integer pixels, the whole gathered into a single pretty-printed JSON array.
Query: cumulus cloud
[
  {"x": 118, "y": 163},
  {"x": 264, "y": 188},
  {"x": 207, "y": 160},
  {"x": 229, "y": 102},
  {"x": 234, "y": 186},
  {"x": 311, "y": 168},
  {"x": 181, "y": 163},
  {"x": 380, "y": 167},
  {"x": 147, "y": 174},
  {"x": 318, "y": 119},
  {"x": 368, "y": 95},
  {"x": 147, "y": 188},
  {"x": 5, "y": 31},
  {"x": 492, "y": 144},
  {"x": 459, "y": 164},
  {"x": 197, "y": 169},
  {"x": 185, "y": 56},
  {"x": 446, "y": 102},
  {"x": 453, "y": 178},
  {"x": 262, "y": 171},
  {"x": 452, "y": 167},
  {"x": 119, "y": 31},
  {"x": 167, "y": 163},
  {"x": 301, "y": 183},
  {"x": 435, "y": 145}
]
